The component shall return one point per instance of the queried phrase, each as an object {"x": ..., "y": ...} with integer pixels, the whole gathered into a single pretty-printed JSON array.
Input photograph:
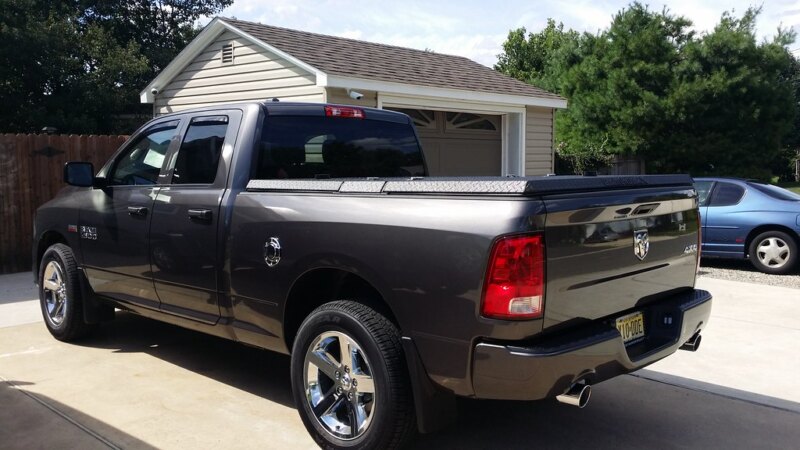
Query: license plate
[{"x": 631, "y": 327}]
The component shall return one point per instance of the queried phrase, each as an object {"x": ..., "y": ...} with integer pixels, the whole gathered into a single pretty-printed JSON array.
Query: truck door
[
  {"x": 114, "y": 227},
  {"x": 185, "y": 233}
]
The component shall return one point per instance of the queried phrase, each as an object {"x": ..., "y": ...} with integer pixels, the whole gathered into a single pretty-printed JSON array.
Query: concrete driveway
[{"x": 143, "y": 384}]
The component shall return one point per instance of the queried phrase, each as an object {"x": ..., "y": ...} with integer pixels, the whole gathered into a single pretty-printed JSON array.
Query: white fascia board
[
  {"x": 446, "y": 104},
  {"x": 388, "y": 87},
  {"x": 184, "y": 58},
  {"x": 199, "y": 43}
]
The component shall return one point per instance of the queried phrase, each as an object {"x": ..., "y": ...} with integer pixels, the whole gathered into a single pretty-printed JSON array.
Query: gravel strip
[{"x": 737, "y": 270}]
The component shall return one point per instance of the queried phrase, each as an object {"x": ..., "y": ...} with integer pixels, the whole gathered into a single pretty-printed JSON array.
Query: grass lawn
[{"x": 794, "y": 187}]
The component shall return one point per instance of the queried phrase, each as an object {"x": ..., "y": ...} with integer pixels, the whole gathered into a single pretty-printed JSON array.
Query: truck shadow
[
  {"x": 625, "y": 413},
  {"x": 259, "y": 372}
]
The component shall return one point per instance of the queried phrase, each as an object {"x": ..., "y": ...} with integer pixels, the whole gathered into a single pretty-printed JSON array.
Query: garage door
[{"x": 459, "y": 143}]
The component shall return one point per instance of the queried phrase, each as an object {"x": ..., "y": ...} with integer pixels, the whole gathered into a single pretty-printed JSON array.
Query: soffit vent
[{"x": 227, "y": 54}]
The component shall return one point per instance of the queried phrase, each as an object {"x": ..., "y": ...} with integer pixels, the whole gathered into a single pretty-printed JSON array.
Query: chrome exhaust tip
[
  {"x": 577, "y": 395},
  {"x": 692, "y": 344}
]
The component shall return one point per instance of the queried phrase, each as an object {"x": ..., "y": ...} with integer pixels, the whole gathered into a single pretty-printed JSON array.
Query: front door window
[{"x": 141, "y": 163}]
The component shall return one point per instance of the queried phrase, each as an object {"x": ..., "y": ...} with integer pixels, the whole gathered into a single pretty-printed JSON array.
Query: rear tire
[
  {"x": 60, "y": 294},
  {"x": 773, "y": 252},
  {"x": 370, "y": 388}
]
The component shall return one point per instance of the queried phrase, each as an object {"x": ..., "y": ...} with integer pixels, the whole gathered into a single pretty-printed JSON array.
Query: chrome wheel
[
  {"x": 338, "y": 385},
  {"x": 55, "y": 293},
  {"x": 773, "y": 252}
]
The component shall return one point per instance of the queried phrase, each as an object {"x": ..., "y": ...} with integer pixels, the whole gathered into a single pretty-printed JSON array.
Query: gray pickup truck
[{"x": 312, "y": 230}]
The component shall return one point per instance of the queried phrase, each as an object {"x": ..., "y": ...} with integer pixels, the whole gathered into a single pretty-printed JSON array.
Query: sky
[{"x": 477, "y": 29}]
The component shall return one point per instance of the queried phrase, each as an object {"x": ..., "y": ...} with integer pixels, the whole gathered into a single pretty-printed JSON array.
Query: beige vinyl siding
[
  {"x": 340, "y": 96},
  {"x": 255, "y": 74},
  {"x": 538, "y": 141}
]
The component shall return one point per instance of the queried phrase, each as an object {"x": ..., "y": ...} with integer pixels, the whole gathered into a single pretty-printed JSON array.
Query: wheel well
[
  {"x": 321, "y": 286},
  {"x": 762, "y": 228},
  {"x": 48, "y": 238}
]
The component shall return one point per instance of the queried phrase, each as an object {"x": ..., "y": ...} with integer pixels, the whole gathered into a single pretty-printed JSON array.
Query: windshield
[
  {"x": 335, "y": 147},
  {"x": 775, "y": 191}
]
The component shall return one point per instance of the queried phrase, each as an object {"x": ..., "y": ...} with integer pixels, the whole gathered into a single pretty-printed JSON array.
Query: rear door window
[
  {"x": 198, "y": 157},
  {"x": 330, "y": 147},
  {"x": 775, "y": 191}
]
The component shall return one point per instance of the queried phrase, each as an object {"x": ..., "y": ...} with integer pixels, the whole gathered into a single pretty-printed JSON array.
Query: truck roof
[{"x": 299, "y": 109}]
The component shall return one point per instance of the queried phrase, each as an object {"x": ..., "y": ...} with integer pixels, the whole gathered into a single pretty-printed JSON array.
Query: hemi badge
[{"x": 72, "y": 228}]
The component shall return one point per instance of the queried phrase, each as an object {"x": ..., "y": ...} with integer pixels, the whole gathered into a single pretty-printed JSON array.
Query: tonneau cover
[{"x": 522, "y": 186}]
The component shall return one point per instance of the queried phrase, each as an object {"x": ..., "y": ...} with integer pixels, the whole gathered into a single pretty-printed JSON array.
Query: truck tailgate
[{"x": 613, "y": 251}]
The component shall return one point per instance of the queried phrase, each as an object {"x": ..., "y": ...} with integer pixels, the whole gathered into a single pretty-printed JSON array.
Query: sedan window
[
  {"x": 775, "y": 191},
  {"x": 726, "y": 194},
  {"x": 703, "y": 189}
]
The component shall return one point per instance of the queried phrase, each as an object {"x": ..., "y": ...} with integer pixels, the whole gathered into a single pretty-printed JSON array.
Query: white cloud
[{"x": 351, "y": 34}]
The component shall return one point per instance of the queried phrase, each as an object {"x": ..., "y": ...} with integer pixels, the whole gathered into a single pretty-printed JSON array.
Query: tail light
[
  {"x": 344, "y": 111},
  {"x": 514, "y": 286}
]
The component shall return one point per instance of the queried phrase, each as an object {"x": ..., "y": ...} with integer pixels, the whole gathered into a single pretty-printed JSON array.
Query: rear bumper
[{"x": 593, "y": 353}]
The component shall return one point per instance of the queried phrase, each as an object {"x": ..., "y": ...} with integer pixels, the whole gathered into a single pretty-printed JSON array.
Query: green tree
[
  {"x": 618, "y": 91},
  {"x": 538, "y": 58},
  {"x": 732, "y": 103},
  {"x": 78, "y": 65},
  {"x": 719, "y": 103}
]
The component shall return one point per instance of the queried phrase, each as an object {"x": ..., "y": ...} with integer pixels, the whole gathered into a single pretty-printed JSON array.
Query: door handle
[
  {"x": 200, "y": 214},
  {"x": 137, "y": 211}
]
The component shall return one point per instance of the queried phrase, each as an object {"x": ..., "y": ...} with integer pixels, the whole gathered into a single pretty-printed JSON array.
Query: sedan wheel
[{"x": 773, "y": 252}]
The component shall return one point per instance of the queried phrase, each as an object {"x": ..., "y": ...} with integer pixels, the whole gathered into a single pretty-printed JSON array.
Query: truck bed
[
  {"x": 425, "y": 243},
  {"x": 521, "y": 186}
]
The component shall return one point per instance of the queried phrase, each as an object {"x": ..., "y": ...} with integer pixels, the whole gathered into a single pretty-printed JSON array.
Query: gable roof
[
  {"x": 339, "y": 62},
  {"x": 360, "y": 59}
]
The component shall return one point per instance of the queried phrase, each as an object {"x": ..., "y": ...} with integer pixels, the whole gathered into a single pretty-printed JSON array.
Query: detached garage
[{"x": 471, "y": 119}]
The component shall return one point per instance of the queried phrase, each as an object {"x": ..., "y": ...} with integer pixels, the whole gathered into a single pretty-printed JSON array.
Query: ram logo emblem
[{"x": 641, "y": 244}]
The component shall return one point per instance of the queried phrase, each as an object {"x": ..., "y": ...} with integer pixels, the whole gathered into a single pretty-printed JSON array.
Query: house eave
[
  {"x": 388, "y": 87},
  {"x": 217, "y": 26},
  {"x": 184, "y": 58}
]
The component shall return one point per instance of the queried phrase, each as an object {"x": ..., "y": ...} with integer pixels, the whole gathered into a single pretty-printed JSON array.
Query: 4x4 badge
[{"x": 641, "y": 243}]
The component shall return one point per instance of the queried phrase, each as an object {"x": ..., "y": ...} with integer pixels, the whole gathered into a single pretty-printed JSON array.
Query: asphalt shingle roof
[{"x": 367, "y": 60}]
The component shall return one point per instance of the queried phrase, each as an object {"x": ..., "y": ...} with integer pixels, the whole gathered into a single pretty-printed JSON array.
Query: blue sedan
[{"x": 750, "y": 220}]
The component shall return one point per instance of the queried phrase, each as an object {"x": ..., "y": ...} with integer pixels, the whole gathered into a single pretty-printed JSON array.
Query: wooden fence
[{"x": 31, "y": 173}]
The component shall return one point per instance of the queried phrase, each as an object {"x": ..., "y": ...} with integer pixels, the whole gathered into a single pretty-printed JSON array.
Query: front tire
[
  {"x": 60, "y": 294},
  {"x": 773, "y": 252},
  {"x": 349, "y": 379}
]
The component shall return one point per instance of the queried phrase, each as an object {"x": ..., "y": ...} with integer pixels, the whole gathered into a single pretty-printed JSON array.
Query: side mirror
[{"x": 79, "y": 174}]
